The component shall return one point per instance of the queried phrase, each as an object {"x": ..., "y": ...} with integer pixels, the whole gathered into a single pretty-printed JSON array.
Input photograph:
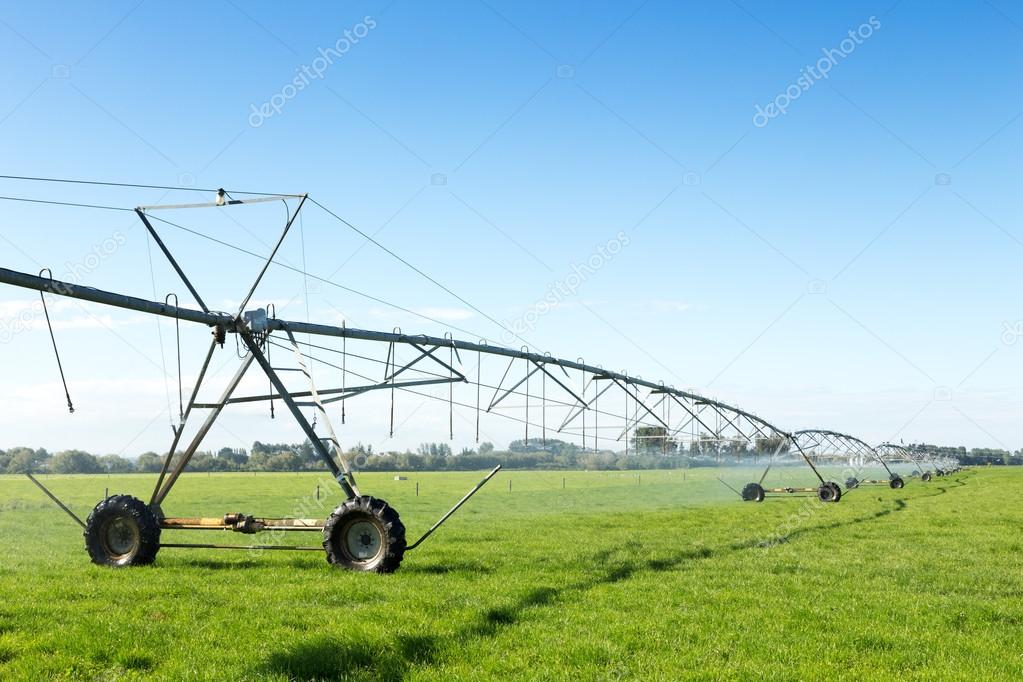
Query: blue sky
[{"x": 852, "y": 264}]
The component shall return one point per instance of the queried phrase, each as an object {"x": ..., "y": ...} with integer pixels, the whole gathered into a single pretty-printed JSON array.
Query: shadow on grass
[
  {"x": 392, "y": 659},
  {"x": 470, "y": 567},
  {"x": 254, "y": 560},
  {"x": 219, "y": 564},
  {"x": 328, "y": 658},
  {"x": 336, "y": 659}
]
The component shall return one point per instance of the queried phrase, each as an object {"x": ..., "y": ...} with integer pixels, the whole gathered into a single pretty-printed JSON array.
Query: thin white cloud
[
  {"x": 669, "y": 306},
  {"x": 27, "y": 315}
]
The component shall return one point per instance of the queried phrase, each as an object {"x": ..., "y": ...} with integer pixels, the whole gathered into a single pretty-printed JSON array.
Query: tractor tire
[
  {"x": 829, "y": 492},
  {"x": 851, "y": 483},
  {"x": 364, "y": 534},
  {"x": 753, "y": 492},
  {"x": 122, "y": 531},
  {"x": 925, "y": 476},
  {"x": 897, "y": 483}
]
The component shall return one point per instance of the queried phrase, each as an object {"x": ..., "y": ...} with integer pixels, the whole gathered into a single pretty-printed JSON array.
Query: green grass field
[{"x": 577, "y": 575}]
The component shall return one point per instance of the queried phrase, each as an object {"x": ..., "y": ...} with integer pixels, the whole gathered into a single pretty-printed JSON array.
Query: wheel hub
[
  {"x": 363, "y": 540},
  {"x": 121, "y": 536}
]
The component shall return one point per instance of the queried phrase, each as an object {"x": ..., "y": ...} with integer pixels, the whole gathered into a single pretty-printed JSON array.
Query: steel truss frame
[
  {"x": 842, "y": 447},
  {"x": 816, "y": 446},
  {"x": 701, "y": 422},
  {"x": 253, "y": 330},
  {"x": 576, "y": 392},
  {"x": 921, "y": 459}
]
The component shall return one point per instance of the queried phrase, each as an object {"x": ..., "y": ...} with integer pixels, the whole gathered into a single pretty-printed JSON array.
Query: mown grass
[{"x": 578, "y": 575}]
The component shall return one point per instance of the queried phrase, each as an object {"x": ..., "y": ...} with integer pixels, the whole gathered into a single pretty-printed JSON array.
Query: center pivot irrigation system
[
  {"x": 921, "y": 459},
  {"x": 544, "y": 394},
  {"x": 814, "y": 447},
  {"x": 858, "y": 453}
]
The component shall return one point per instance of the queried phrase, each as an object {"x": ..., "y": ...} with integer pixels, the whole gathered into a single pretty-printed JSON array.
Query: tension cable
[{"x": 53, "y": 340}]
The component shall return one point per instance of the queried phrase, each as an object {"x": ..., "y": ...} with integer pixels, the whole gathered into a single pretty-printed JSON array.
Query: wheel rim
[
  {"x": 362, "y": 541},
  {"x": 120, "y": 537}
]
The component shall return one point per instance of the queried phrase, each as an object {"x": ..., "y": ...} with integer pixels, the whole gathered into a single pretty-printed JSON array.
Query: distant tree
[
  {"x": 765, "y": 445},
  {"x": 986, "y": 455},
  {"x": 308, "y": 457},
  {"x": 202, "y": 461},
  {"x": 408, "y": 461},
  {"x": 283, "y": 457},
  {"x": 386, "y": 461},
  {"x": 22, "y": 460},
  {"x": 652, "y": 440},
  {"x": 287, "y": 460},
  {"x": 486, "y": 447},
  {"x": 259, "y": 460},
  {"x": 149, "y": 463},
  {"x": 523, "y": 445},
  {"x": 361, "y": 449},
  {"x": 735, "y": 448},
  {"x": 115, "y": 464},
  {"x": 76, "y": 462},
  {"x": 434, "y": 450},
  {"x": 234, "y": 458}
]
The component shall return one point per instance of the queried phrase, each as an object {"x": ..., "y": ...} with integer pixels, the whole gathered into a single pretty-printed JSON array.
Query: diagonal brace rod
[{"x": 203, "y": 430}]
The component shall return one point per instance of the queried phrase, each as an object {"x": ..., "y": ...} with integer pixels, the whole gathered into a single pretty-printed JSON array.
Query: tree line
[
  {"x": 648, "y": 450},
  {"x": 972, "y": 457}
]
